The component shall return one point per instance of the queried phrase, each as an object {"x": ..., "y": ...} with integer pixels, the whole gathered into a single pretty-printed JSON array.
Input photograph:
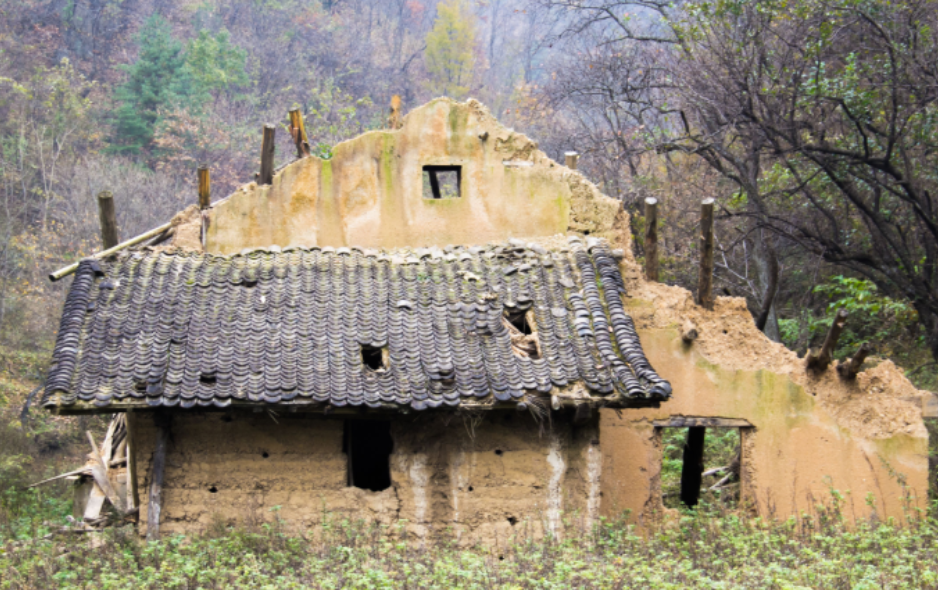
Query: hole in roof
[
  {"x": 374, "y": 358},
  {"x": 140, "y": 385},
  {"x": 207, "y": 378},
  {"x": 522, "y": 331},
  {"x": 442, "y": 182}
]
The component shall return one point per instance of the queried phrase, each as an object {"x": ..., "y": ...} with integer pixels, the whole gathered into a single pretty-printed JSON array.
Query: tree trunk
[{"x": 766, "y": 262}]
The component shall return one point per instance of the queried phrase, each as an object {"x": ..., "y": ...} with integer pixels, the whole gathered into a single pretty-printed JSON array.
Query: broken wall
[
  {"x": 370, "y": 192},
  {"x": 478, "y": 478},
  {"x": 812, "y": 433}
]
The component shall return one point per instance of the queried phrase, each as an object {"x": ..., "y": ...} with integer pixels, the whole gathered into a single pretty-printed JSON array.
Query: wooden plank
[
  {"x": 83, "y": 471},
  {"x": 705, "y": 274},
  {"x": 205, "y": 188},
  {"x": 99, "y": 471},
  {"x": 651, "y": 239},
  {"x": 710, "y": 422},
  {"x": 65, "y": 271},
  {"x": 154, "y": 506},
  {"x": 108, "y": 218},
  {"x": 95, "y": 503},
  {"x": 266, "y": 175},
  {"x": 930, "y": 406},
  {"x": 133, "y": 498}
]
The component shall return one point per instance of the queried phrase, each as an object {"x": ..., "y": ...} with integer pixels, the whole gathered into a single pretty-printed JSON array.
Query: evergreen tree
[
  {"x": 216, "y": 64},
  {"x": 159, "y": 80},
  {"x": 450, "y": 50}
]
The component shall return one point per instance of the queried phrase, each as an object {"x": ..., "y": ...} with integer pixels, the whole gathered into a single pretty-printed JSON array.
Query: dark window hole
[
  {"x": 375, "y": 358},
  {"x": 368, "y": 446},
  {"x": 140, "y": 386},
  {"x": 213, "y": 490},
  {"x": 442, "y": 182},
  {"x": 701, "y": 464},
  {"x": 512, "y": 520}
]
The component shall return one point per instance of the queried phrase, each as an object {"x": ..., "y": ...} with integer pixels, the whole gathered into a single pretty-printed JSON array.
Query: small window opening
[
  {"x": 522, "y": 331},
  {"x": 701, "y": 465},
  {"x": 375, "y": 358},
  {"x": 442, "y": 182},
  {"x": 368, "y": 446}
]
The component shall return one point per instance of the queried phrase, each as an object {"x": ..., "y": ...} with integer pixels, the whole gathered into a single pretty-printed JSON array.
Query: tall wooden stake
[
  {"x": 205, "y": 188},
  {"x": 156, "y": 477},
  {"x": 705, "y": 276},
  {"x": 651, "y": 239},
  {"x": 266, "y": 175},
  {"x": 109, "y": 234},
  {"x": 571, "y": 159},
  {"x": 298, "y": 131},
  {"x": 819, "y": 361}
]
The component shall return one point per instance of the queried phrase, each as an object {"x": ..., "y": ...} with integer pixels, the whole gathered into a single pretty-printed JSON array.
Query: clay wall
[
  {"x": 811, "y": 433},
  {"x": 473, "y": 478}
]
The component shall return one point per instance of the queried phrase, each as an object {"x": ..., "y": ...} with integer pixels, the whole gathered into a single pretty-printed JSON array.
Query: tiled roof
[{"x": 287, "y": 327}]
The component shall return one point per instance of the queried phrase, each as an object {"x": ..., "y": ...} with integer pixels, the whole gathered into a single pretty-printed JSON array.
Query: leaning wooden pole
[
  {"x": 571, "y": 159},
  {"x": 651, "y": 239},
  {"x": 819, "y": 361},
  {"x": 155, "y": 506},
  {"x": 298, "y": 132},
  {"x": 266, "y": 175},
  {"x": 705, "y": 275},
  {"x": 850, "y": 368},
  {"x": 205, "y": 188},
  {"x": 106, "y": 213}
]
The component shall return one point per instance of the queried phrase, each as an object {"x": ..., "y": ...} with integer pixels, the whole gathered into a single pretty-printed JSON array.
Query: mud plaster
[{"x": 480, "y": 480}]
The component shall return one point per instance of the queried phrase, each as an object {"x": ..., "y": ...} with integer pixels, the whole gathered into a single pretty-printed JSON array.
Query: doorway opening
[{"x": 368, "y": 445}]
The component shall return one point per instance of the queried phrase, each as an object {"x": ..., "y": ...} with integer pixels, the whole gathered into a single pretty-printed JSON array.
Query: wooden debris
[
  {"x": 850, "y": 368},
  {"x": 298, "y": 133},
  {"x": 689, "y": 332},
  {"x": 819, "y": 361}
]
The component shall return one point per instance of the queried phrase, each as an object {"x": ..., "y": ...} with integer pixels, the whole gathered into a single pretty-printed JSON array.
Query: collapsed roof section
[{"x": 324, "y": 328}]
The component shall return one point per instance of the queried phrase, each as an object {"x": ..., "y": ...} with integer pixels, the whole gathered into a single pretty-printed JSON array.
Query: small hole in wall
[
  {"x": 470, "y": 488},
  {"x": 512, "y": 520},
  {"x": 725, "y": 332},
  {"x": 213, "y": 490},
  {"x": 265, "y": 454},
  {"x": 498, "y": 451},
  {"x": 501, "y": 558}
]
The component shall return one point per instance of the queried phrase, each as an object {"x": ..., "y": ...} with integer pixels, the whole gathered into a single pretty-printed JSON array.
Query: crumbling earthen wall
[
  {"x": 811, "y": 433},
  {"x": 370, "y": 193},
  {"x": 476, "y": 478}
]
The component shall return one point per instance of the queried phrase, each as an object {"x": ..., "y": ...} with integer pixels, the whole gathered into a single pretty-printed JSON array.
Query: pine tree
[
  {"x": 450, "y": 50},
  {"x": 216, "y": 64},
  {"x": 159, "y": 80}
]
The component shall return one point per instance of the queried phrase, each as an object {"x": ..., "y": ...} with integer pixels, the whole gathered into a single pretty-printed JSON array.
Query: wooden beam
[
  {"x": 692, "y": 469},
  {"x": 205, "y": 188},
  {"x": 651, "y": 239},
  {"x": 65, "y": 271},
  {"x": 133, "y": 498},
  {"x": 688, "y": 421},
  {"x": 850, "y": 368},
  {"x": 571, "y": 159},
  {"x": 298, "y": 132},
  {"x": 820, "y": 360},
  {"x": 156, "y": 476},
  {"x": 108, "y": 217},
  {"x": 705, "y": 275},
  {"x": 266, "y": 175}
]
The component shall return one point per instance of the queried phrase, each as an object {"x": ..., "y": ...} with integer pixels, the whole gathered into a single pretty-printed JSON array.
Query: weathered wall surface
[
  {"x": 812, "y": 433},
  {"x": 370, "y": 193},
  {"x": 478, "y": 480}
]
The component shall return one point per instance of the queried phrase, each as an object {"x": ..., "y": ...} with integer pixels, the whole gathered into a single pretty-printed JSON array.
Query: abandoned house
[{"x": 440, "y": 326}]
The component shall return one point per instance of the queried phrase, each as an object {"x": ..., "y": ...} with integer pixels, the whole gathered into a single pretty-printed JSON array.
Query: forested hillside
[{"x": 813, "y": 123}]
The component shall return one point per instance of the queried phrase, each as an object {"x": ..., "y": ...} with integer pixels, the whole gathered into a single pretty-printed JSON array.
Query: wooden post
[
  {"x": 205, "y": 188},
  {"x": 133, "y": 498},
  {"x": 820, "y": 360},
  {"x": 266, "y": 175},
  {"x": 108, "y": 217},
  {"x": 705, "y": 275},
  {"x": 849, "y": 369},
  {"x": 571, "y": 159},
  {"x": 156, "y": 477},
  {"x": 692, "y": 469},
  {"x": 298, "y": 131},
  {"x": 651, "y": 239}
]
